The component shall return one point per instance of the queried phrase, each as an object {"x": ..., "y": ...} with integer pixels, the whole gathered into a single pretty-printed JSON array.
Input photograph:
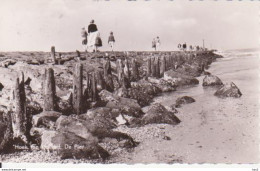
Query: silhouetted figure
[
  {"x": 84, "y": 35},
  {"x": 94, "y": 39},
  {"x": 184, "y": 47},
  {"x": 180, "y": 46},
  {"x": 111, "y": 41}
]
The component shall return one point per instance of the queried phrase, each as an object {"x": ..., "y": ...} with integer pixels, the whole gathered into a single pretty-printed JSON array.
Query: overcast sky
[{"x": 36, "y": 25}]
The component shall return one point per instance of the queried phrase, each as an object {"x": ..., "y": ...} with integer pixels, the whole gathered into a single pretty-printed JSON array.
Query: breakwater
[{"x": 58, "y": 91}]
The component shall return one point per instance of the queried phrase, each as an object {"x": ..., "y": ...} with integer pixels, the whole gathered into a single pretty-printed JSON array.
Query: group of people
[
  {"x": 156, "y": 43},
  {"x": 92, "y": 40},
  {"x": 184, "y": 47}
]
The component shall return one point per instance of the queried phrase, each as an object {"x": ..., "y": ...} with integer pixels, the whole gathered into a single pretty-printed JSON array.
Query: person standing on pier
[
  {"x": 184, "y": 46},
  {"x": 84, "y": 35},
  {"x": 191, "y": 48},
  {"x": 158, "y": 43},
  {"x": 154, "y": 44},
  {"x": 93, "y": 35},
  {"x": 180, "y": 46},
  {"x": 111, "y": 41}
]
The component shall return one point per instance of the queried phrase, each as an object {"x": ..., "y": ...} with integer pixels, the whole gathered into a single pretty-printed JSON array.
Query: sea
[{"x": 216, "y": 130}]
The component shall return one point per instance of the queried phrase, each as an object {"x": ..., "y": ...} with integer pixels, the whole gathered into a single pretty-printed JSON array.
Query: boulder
[
  {"x": 111, "y": 117},
  {"x": 34, "y": 72},
  {"x": 6, "y": 134},
  {"x": 70, "y": 145},
  {"x": 179, "y": 78},
  {"x": 142, "y": 97},
  {"x": 46, "y": 119},
  {"x": 125, "y": 105},
  {"x": 184, "y": 100},
  {"x": 192, "y": 70},
  {"x": 228, "y": 90},
  {"x": 96, "y": 128},
  {"x": 211, "y": 80},
  {"x": 157, "y": 114},
  {"x": 105, "y": 112},
  {"x": 163, "y": 85},
  {"x": 7, "y": 62},
  {"x": 33, "y": 108},
  {"x": 8, "y": 77},
  {"x": 146, "y": 86},
  {"x": 64, "y": 104}
]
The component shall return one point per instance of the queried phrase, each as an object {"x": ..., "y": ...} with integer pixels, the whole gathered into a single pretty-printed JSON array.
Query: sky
[{"x": 36, "y": 25}]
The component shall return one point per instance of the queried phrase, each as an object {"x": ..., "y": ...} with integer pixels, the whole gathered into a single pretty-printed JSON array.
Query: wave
[{"x": 230, "y": 54}]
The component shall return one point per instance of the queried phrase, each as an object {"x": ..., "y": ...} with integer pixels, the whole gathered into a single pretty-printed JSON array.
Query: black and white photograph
[{"x": 130, "y": 82}]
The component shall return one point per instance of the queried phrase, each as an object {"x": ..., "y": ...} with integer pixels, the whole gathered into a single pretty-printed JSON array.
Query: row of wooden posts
[{"x": 156, "y": 66}]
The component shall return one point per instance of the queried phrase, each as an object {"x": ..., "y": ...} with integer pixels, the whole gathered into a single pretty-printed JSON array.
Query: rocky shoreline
[{"x": 108, "y": 120}]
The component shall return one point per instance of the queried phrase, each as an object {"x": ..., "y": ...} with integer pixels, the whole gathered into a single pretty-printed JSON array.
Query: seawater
[{"x": 227, "y": 129}]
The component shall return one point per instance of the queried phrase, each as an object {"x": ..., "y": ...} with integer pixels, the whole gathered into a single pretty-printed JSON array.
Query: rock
[
  {"x": 179, "y": 78},
  {"x": 142, "y": 97},
  {"x": 33, "y": 107},
  {"x": 64, "y": 104},
  {"x": 192, "y": 70},
  {"x": 127, "y": 106},
  {"x": 162, "y": 84},
  {"x": 146, "y": 86},
  {"x": 96, "y": 128},
  {"x": 46, "y": 119},
  {"x": 6, "y": 134},
  {"x": 103, "y": 112},
  {"x": 7, "y": 62},
  {"x": 8, "y": 77},
  {"x": 157, "y": 114},
  {"x": 77, "y": 126},
  {"x": 69, "y": 145},
  {"x": 211, "y": 80},
  {"x": 184, "y": 100},
  {"x": 34, "y": 62},
  {"x": 228, "y": 90},
  {"x": 173, "y": 109},
  {"x": 99, "y": 121},
  {"x": 34, "y": 72},
  {"x": 111, "y": 117}
]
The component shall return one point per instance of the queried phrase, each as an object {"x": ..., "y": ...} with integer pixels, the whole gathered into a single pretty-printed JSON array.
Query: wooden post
[
  {"x": 109, "y": 85},
  {"x": 120, "y": 70},
  {"x": 163, "y": 69},
  {"x": 19, "y": 116},
  {"x": 53, "y": 54},
  {"x": 126, "y": 69},
  {"x": 77, "y": 89},
  {"x": 100, "y": 80},
  {"x": 148, "y": 66},
  {"x": 171, "y": 62},
  {"x": 122, "y": 79},
  {"x": 153, "y": 67},
  {"x": 107, "y": 68},
  {"x": 49, "y": 90},
  {"x": 78, "y": 53},
  {"x": 59, "y": 59},
  {"x": 135, "y": 70},
  {"x": 157, "y": 65},
  {"x": 94, "y": 87}
]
